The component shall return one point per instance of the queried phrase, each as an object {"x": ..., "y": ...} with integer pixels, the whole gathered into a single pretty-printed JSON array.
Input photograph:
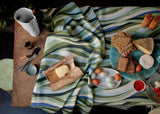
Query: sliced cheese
[
  {"x": 61, "y": 71},
  {"x": 146, "y": 45},
  {"x": 146, "y": 61}
]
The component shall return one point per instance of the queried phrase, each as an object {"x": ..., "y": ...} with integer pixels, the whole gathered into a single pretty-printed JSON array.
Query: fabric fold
[{"x": 85, "y": 33}]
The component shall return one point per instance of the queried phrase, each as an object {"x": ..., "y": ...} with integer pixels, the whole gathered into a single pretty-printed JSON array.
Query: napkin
[{"x": 85, "y": 33}]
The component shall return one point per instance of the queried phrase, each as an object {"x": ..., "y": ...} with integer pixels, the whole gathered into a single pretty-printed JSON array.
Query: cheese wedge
[{"x": 146, "y": 45}]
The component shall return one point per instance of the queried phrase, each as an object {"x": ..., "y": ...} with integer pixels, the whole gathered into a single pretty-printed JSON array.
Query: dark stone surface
[{"x": 6, "y": 45}]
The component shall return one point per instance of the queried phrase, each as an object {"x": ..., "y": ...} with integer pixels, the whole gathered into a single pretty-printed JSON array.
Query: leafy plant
[{"x": 3, "y": 23}]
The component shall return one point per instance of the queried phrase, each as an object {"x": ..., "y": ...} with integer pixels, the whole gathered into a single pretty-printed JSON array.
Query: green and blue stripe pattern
[{"x": 85, "y": 33}]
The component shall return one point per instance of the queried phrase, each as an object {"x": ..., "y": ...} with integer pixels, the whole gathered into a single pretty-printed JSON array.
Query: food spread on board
[{"x": 125, "y": 45}]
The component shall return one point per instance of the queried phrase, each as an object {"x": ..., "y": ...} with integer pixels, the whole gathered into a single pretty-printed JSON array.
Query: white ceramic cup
[{"x": 28, "y": 21}]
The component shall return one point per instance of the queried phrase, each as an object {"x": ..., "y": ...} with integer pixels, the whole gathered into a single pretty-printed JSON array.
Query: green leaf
[{"x": 3, "y": 23}]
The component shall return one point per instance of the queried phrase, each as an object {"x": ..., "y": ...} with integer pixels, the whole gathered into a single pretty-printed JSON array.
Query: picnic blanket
[{"x": 85, "y": 33}]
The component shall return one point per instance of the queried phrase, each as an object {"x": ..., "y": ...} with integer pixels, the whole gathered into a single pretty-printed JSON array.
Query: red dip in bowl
[{"x": 139, "y": 85}]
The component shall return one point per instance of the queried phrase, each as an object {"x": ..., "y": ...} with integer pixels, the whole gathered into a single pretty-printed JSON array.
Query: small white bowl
[
  {"x": 139, "y": 85},
  {"x": 31, "y": 70}
]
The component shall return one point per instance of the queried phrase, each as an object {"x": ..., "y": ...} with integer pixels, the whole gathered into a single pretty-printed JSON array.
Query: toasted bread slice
[
  {"x": 122, "y": 64},
  {"x": 146, "y": 45},
  {"x": 131, "y": 66}
]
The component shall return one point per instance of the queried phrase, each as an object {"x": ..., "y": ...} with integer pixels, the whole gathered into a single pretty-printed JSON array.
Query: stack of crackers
[
  {"x": 123, "y": 43},
  {"x": 126, "y": 64}
]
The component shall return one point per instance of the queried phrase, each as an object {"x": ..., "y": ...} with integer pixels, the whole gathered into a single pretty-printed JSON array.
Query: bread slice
[
  {"x": 131, "y": 66},
  {"x": 146, "y": 45},
  {"x": 123, "y": 43},
  {"x": 122, "y": 64}
]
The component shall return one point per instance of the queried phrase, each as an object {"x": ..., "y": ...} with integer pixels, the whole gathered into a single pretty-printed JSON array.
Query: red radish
[
  {"x": 138, "y": 68},
  {"x": 95, "y": 81},
  {"x": 98, "y": 70},
  {"x": 117, "y": 77}
]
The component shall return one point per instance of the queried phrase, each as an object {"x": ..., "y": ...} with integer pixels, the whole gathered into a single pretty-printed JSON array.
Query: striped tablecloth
[{"x": 85, "y": 33}]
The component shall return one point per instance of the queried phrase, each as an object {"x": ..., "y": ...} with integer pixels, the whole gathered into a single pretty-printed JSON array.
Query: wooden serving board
[{"x": 22, "y": 83}]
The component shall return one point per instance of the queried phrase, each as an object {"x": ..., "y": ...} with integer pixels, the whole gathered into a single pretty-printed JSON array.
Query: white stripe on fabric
[
  {"x": 86, "y": 95},
  {"x": 41, "y": 85},
  {"x": 97, "y": 60},
  {"x": 62, "y": 18},
  {"x": 113, "y": 25},
  {"x": 116, "y": 91},
  {"x": 142, "y": 30},
  {"x": 132, "y": 27},
  {"x": 148, "y": 103},
  {"x": 76, "y": 91},
  {"x": 96, "y": 43},
  {"x": 67, "y": 53},
  {"x": 135, "y": 14},
  {"x": 114, "y": 103},
  {"x": 49, "y": 91},
  {"x": 113, "y": 100},
  {"x": 93, "y": 29},
  {"x": 105, "y": 61},
  {"x": 43, "y": 91},
  {"x": 116, "y": 14},
  {"x": 84, "y": 9},
  {"x": 47, "y": 102},
  {"x": 46, "y": 60},
  {"x": 70, "y": 104},
  {"x": 67, "y": 17},
  {"x": 70, "y": 42},
  {"x": 124, "y": 30},
  {"x": 73, "y": 11},
  {"x": 77, "y": 30}
]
